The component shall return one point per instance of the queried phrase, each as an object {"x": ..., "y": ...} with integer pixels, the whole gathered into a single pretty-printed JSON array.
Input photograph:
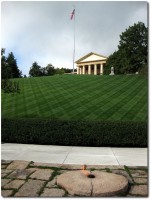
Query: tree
[
  {"x": 132, "y": 51},
  {"x": 35, "y": 70},
  {"x": 66, "y": 70},
  {"x": 118, "y": 61},
  {"x": 9, "y": 66},
  {"x": 9, "y": 86},
  {"x": 11, "y": 63},
  {"x": 60, "y": 71},
  {"x": 4, "y": 69},
  {"x": 50, "y": 70},
  {"x": 2, "y": 51},
  {"x": 134, "y": 43},
  {"x": 9, "y": 69},
  {"x": 43, "y": 71}
]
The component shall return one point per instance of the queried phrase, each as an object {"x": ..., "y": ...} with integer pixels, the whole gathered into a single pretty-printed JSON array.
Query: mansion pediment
[{"x": 91, "y": 57}]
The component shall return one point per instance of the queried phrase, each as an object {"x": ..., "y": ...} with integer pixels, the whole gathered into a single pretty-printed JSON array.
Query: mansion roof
[{"x": 91, "y": 57}]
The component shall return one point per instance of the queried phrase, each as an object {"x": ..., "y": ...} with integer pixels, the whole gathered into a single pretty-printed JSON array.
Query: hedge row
[{"x": 76, "y": 133}]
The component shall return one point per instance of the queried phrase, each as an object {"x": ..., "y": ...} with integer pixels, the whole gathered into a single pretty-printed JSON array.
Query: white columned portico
[
  {"x": 101, "y": 68},
  {"x": 89, "y": 69},
  {"x": 91, "y": 63},
  {"x": 95, "y": 69}
]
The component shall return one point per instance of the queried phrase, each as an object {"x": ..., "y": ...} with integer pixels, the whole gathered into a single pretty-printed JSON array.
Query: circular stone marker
[{"x": 103, "y": 185}]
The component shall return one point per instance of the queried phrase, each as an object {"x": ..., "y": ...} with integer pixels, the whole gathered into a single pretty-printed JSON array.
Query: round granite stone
[
  {"x": 104, "y": 184},
  {"x": 108, "y": 184}
]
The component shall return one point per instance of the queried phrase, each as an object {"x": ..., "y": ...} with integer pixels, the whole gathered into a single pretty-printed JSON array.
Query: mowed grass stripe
[
  {"x": 21, "y": 102},
  {"x": 42, "y": 107},
  {"x": 134, "y": 105},
  {"x": 33, "y": 110},
  {"x": 129, "y": 107},
  {"x": 108, "y": 104},
  {"x": 141, "y": 114},
  {"x": 45, "y": 108},
  {"x": 122, "y": 91},
  {"x": 54, "y": 107},
  {"x": 116, "y": 104},
  {"x": 79, "y": 97}
]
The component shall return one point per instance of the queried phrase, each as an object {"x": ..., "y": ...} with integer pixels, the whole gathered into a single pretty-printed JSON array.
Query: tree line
[
  {"x": 9, "y": 68},
  {"x": 36, "y": 70},
  {"x": 132, "y": 53}
]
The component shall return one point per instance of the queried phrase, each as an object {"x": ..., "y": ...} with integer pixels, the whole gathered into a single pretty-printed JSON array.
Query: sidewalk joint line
[
  {"x": 67, "y": 155},
  {"x": 115, "y": 156}
]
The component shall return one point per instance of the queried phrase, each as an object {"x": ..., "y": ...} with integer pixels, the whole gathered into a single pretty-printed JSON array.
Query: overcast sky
[{"x": 43, "y": 31}]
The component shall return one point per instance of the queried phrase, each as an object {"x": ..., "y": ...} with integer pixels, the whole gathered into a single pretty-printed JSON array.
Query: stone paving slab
[
  {"x": 54, "y": 192},
  {"x": 43, "y": 174},
  {"x": 16, "y": 184},
  {"x": 4, "y": 182},
  {"x": 7, "y": 193},
  {"x": 138, "y": 173},
  {"x": 141, "y": 180},
  {"x": 3, "y": 166},
  {"x": 21, "y": 173},
  {"x": 52, "y": 183},
  {"x": 18, "y": 165},
  {"x": 31, "y": 179},
  {"x": 30, "y": 188},
  {"x": 141, "y": 190},
  {"x": 5, "y": 172}
]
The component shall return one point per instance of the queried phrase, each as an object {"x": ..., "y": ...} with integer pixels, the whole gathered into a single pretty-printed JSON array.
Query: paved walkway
[
  {"x": 75, "y": 155},
  {"x": 31, "y": 179}
]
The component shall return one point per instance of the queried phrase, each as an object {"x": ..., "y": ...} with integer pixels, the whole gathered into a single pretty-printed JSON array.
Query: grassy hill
[{"x": 87, "y": 97}]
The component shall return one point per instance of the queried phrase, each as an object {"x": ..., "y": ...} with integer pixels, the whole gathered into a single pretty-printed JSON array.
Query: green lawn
[{"x": 79, "y": 97}]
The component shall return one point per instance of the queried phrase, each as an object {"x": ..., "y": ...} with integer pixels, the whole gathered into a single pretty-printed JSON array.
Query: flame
[{"x": 86, "y": 173}]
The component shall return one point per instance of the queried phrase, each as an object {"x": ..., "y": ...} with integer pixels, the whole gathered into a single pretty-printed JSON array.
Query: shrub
[
  {"x": 75, "y": 133},
  {"x": 10, "y": 86}
]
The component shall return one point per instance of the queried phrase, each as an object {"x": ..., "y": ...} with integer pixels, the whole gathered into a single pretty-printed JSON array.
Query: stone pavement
[{"x": 35, "y": 179}]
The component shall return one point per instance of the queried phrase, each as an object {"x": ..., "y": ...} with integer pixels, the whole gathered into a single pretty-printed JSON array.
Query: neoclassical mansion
[{"x": 91, "y": 63}]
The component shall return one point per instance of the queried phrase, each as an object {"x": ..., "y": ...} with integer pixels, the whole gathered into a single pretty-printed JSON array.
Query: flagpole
[{"x": 74, "y": 43}]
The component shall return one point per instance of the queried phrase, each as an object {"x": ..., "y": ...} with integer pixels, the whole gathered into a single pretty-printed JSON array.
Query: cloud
[{"x": 43, "y": 31}]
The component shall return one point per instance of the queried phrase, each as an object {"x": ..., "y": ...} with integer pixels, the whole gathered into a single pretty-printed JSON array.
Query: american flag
[{"x": 72, "y": 14}]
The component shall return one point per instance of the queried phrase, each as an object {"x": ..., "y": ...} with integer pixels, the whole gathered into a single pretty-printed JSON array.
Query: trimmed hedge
[{"x": 75, "y": 133}]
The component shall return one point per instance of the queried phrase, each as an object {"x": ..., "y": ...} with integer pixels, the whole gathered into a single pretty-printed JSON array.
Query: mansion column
[
  {"x": 77, "y": 69},
  {"x": 95, "y": 69},
  {"x": 83, "y": 69},
  {"x": 80, "y": 70},
  {"x": 89, "y": 69},
  {"x": 101, "y": 68}
]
